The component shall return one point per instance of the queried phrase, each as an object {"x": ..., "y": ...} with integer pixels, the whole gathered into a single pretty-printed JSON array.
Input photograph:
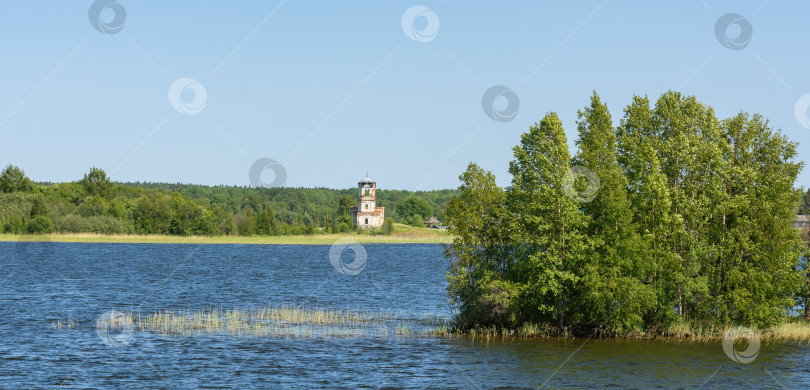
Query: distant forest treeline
[{"x": 94, "y": 204}]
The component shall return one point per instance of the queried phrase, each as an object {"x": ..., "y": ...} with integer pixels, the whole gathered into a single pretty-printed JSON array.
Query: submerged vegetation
[
  {"x": 279, "y": 321},
  {"x": 64, "y": 324},
  {"x": 672, "y": 222}
]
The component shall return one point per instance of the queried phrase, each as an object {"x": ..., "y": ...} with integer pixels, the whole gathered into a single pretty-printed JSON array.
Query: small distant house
[
  {"x": 433, "y": 223},
  {"x": 367, "y": 215},
  {"x": 801, "y": 221}
]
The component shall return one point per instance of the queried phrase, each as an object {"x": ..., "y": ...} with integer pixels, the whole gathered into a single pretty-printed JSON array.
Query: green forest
[
  {"x": 674, "y": 216},
  {"x": 95, "y": 204}
]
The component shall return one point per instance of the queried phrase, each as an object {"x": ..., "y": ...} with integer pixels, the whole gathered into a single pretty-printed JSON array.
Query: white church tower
[{"x": 367, "y": 215}]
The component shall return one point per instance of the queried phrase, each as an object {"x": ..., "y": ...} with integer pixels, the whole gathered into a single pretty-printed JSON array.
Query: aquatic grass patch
[
  {"x": 793, "y": 330},
  {"x": 797, "y": 330},
  {"x": 527, "y": 330},
  {"x": 64, "y": 324},
  {"x": 283, "y": 321},
  {"x": 275, "y": 321}
]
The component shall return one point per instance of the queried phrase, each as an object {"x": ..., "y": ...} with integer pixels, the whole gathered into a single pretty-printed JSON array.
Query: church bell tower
[{"x": 367, "y": 215}]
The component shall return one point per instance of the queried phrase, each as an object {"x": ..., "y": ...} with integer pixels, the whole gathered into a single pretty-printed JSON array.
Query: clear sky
[{"x": 332, "y": 89}]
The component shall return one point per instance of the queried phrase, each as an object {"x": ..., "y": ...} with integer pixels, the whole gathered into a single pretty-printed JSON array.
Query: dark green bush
[
  {"x": 39, "y": 224},
  {"x": 416, "y": 221},
  {"x": 96, "y": 224}
]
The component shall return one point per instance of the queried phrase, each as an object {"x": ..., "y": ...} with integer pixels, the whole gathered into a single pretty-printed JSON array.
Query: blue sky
[{"x": 334, "y": 89}]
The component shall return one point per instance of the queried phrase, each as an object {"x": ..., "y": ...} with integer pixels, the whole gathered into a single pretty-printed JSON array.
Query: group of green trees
[
  {"x": 414, "y": 211},
  {"x": 691, "y": 223},
  {"x": 95, "y": 204}
]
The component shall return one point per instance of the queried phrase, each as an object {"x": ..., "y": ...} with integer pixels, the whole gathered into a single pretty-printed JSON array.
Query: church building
[{"x": 367, "y": 215}]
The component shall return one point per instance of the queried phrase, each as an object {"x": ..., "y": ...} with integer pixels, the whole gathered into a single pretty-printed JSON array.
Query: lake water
[{"x": 45, "y": 282}]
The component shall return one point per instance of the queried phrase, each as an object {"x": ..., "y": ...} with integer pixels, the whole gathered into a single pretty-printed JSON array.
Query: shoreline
[
  {"x": 793, "y": 329},
  {"x": 316, "y": 239}
]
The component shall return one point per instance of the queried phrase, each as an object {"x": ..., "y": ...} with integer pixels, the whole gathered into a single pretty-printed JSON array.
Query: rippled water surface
[{"x": 46, "y": 282}]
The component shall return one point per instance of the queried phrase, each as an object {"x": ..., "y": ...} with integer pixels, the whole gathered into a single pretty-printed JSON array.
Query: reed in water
[{"x": 277, "y": 321}]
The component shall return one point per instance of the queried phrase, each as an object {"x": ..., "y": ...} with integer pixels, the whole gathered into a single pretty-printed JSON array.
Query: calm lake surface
[{"x": 45, "y": 282}]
